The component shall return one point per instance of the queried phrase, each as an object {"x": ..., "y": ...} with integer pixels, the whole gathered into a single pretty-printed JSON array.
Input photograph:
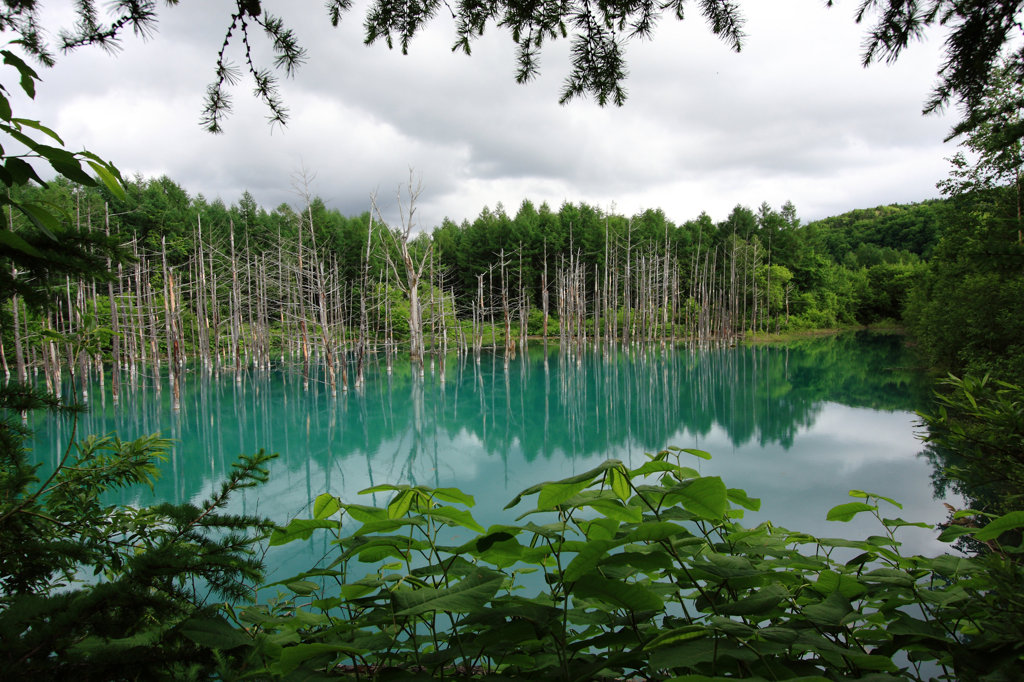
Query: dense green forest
[{"x": 240, "y": 286}]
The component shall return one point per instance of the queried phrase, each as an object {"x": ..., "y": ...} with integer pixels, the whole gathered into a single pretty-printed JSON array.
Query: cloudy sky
[{"x": 794, "y": 116}]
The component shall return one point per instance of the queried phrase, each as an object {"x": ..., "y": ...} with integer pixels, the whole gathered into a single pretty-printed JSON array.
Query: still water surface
[{"x": 797, "y": 425}]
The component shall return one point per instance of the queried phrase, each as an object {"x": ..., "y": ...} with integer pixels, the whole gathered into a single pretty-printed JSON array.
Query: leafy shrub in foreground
[{"x": 644, "y": 573}]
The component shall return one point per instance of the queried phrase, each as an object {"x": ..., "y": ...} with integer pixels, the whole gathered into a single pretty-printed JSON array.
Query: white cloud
[{"x": 793, "y": 116}]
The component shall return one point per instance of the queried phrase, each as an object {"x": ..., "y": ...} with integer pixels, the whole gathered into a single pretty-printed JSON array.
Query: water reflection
[{"x": 798, "y": 425}]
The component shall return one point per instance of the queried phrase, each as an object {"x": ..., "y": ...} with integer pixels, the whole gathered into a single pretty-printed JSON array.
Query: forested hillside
[{"x": 240, "y": 285}]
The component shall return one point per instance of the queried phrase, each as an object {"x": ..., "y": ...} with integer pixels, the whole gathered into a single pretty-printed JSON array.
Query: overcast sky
[{"x": 794, "y": 116}]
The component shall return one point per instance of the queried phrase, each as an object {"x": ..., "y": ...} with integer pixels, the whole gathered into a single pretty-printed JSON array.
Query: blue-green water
[{"x": 796, "y": 425}]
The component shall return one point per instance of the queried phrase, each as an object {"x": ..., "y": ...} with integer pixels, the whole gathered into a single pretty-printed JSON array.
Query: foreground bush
[{"x": 642, "y": 573}]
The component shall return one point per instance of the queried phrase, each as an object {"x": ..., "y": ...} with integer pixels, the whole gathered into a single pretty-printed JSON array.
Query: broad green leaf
[
  {"x": 40, "y": 217},
  {"x": 110, "y": 177},
  {"x": 686, "y": 654},
  {"x": 830, "y": 582},
  {"x": 214, "y": 633},
  {"x": 997, "y": 527},
  {"x": 741, "y": 498},
  {"x": 587, "y": 559},
  {"x": 830, "y": 611},
  {"x": 707, "y": 678},
  {"x": 21, "y": 173},
  {"x": 452, "y": 495},
  {"x": 846, "y": 512},
  {"x": 299, "y": 529},
  {"x": 762, "y": 601},
  {"x": 888, "y": 576},
  {"x": 292, "y": 657},
  {"x": 365, "y": 514},
  {"x": 303, "y": 587},
  {"x": 654, "y": 466},
  {"x": 619, "y": 483},
  {"x": 485, "y": 543},
  {"x": 864, "y": 495},
  {"x": 554, "y": 494},
  {"x": 503, "y": 553},
  {"x": 14, "y": 241},
  {"x": 36, "y": 125},
  {"x": 467, "y": 596},
  {"x": 630, "y": 596},
  {"x": 680, "y": 634},
  {"x": 697, "y": 453},
  {"x": 615, "y": 510},
  {"x": 949, "y": 565},
  {"x": 325, "y": 506},
  {"x": 731, "y": 628},
  {"x": 398, "y": 507},
  {"x": 953, "y": 531},
  {"x": 899, "y": 523},
  {"x": 383, "y": 487},
  {"x": 28, "y": 75},
  {"x": 654, "y": 531},
  {"x": 455, "y": 517},
  {"x": 600, "y": 528},
  {"x": 586, "y": 477},
  {"x": 706, "y": 497}
]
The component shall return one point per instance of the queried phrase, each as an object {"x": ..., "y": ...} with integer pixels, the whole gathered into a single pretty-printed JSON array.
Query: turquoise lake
[{"x": 797, "y": 425}]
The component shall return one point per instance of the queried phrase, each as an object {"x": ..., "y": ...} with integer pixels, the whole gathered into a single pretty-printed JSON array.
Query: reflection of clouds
[
  {"x": 844, "y": 449},
  {"x": 769, "y": 417}
]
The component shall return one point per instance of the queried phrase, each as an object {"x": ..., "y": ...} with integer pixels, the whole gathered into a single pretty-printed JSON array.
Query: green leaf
[
  {"x": 830, "y": 611},
  {"x": 654, "y": 466},
  {"x": 455, "y": 517},
  {"x": 830, "y": 582},
  {"x": 28, "y": 75},
  {"x": 554, "y": 494},
  {"x": 706, "y": 497},
  {"x": 37, "y": 126},
  {"x": 680, "y": 634},
  {"x": 697, "y": 453},
  {"x": 846, "y": 512},
  {"x": 452, "y": 495},
  {"x": 899, "y": 523},
  {"x": 618, "y": 481},
  {"x": 864, "y": 495},
  {"x": 997, "y": 527},
  {"x": 630, "y": 596},
  {"x": 292, "y": 657},
  {"x": 586, "y": 477},
  {"x": 12, "y": 240},
  {"x": 325, "y": 506},
  {"x": 365, "y": 514},
  {"x": 467, "y": 596},
  {"x": 615, "y": 510},
  {"x": 41, "y": 218},
  {"x": 298, "y": 529},
  {"x": 21, "y": 173},
  {"x": 484, "y": 543},
  {"x": 740, "y": 497},
  {"x": 214, "y": 633},
  {"x": 384, "y": 487},
  {"x": 654, "y": 531},
  {"x": 761, "y": 601},
  {"x": 398, "y": 507},
  {"x": 587, "y": 559},
  {"x": 303, "y": 587},
  {"x": 953, "y": 531},
  {"x": 110, "y": 177}
]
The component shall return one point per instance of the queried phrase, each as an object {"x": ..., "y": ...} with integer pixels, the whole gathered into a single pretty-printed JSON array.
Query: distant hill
[{"x": 914, "y": 228}]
